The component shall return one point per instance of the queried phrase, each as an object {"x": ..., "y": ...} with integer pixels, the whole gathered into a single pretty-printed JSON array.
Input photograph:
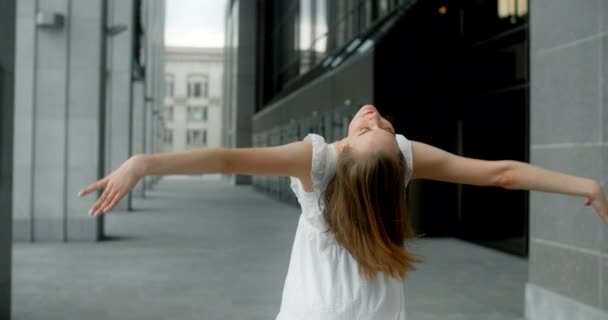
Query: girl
[{"x": 348, "y": 258}]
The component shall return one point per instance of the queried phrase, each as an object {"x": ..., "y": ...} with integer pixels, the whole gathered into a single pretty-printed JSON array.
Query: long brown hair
[{"x": 365, "y": 210}]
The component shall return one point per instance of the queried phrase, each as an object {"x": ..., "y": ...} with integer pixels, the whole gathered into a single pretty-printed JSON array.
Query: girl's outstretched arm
[
  {"x": 436, "y": 164},
  {"x": 293, "y": 159}
]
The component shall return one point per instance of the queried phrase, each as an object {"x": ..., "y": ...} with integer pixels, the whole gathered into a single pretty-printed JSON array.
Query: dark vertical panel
[
  {"x": 7, "y": 49},
  {"x": 495, "y": 45},
  {"x": 264, "y": 57},
  {"x": 459, "y": 62},
  {"x": 245, "y": 80}
]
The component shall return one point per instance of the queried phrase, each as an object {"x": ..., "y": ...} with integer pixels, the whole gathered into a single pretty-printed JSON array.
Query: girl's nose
[{"x": 374, "y": 116}]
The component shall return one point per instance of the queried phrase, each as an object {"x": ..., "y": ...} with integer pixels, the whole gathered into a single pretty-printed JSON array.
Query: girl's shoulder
[{"x": 324, "y": 156}]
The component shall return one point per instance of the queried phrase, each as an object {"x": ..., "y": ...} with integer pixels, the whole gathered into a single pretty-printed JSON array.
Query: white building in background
[{"x": 193, "y": 105}]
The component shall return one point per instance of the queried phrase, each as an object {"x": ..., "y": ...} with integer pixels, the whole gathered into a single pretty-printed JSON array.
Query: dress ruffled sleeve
[
  {"x": 405, "y": 146},
  {"x": 319, "y": 160}
]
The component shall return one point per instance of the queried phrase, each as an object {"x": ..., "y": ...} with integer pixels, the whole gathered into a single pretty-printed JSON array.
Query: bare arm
[
  {"x": 521, "y": 175},
  {"x": 195, "y": 161},
  {"x": 436, "y": 164},
  {"x": 292, "y": 159}
]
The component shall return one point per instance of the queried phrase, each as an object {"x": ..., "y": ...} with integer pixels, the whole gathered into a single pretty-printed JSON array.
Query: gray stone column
[
  {"x": 154, "y": 21},
  {"x": 118, "y": 90},
  {"x": 7, "y": 56},
  {"x": 148, "y": 140},
  {"x": 138, "y": 126},
  {"x": 568, "y": 270},
  {"x": 242, "y": 106},
  {"x": 58, "y": 117}
]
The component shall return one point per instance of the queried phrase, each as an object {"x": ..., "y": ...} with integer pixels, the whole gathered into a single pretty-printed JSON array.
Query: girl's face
[{"x": 369, "y": 132}]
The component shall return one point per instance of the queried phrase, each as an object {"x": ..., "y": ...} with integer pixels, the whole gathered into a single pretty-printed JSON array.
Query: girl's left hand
[
  {"x": 598, "y": 200},
  {"x": 116, "y": 185}
]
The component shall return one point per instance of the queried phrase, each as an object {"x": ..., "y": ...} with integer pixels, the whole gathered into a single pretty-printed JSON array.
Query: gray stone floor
[{"x": 199, "y": 249}]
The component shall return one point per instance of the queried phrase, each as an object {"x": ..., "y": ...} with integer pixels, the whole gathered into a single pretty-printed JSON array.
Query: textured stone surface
[
  {"x": 604, "y": 283},
  {"x": 564, "y": 95},
  {"x": 604, "y": 83},
  {"x": 567, "y": 271},
  {"x": 118, "y": 103},
  {"x": 604, "y": 15},
  {"x": 558, "y": 22},
  {"x": 21, "y": 230},
  {"x": 543, "y": 304},
  {"x": 604, "y": 227},
  {"x": 564, "y": 218},
  {"x": 196, "y": 249},
  {"x": 568, "y": 117},
  {"x": 47, "y": 229},
  {"x": 83, "y": 228},
  {"x": 137, "y": 137}
]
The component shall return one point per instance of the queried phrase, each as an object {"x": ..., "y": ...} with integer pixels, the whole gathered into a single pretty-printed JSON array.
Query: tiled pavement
[{"x": 200, "y": 249}]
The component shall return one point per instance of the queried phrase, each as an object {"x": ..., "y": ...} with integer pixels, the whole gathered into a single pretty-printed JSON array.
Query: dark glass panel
[
  {"x": 320, "y": 48},
  {"x": 298, "y": 35},
  {"x": 320, "y": 18},
  {"x": 305, "y": 35}
]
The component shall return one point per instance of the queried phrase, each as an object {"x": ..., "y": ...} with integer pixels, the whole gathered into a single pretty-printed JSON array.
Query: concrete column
[
  {"x": 148, "y": 137},
  {"x": 58, "y": 118},
  {"x": 154, "y": 21},
  {"x": 242, "y": 105},
  {"x": 7, "y": 62},
  {"x": 137, "y": 138},
  {"x": 119, "y": 96},
  {"x": 568, "y": 270}
]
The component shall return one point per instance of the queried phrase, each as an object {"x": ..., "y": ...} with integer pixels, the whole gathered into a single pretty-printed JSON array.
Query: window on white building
[
  {"x": 196, "y": 137},
  {"x": 197, "y": 113},
  {"x": 198, "y": 86},
  {"x": 168, "y": 138},
  {"x": 169, "y": 85},
  {"x": 169, "y": 113}
]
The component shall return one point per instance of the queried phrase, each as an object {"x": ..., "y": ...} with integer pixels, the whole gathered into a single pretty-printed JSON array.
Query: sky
[{"x": 195, "y": 23}]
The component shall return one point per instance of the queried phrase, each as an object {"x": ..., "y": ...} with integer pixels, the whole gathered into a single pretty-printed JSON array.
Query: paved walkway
[{"x": 199, "y": 249}]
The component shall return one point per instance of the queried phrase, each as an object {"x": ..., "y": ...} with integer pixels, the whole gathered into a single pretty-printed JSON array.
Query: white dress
[{"x": 323, "y": 281}]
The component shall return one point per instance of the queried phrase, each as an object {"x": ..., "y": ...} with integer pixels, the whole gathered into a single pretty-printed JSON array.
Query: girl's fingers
[
  {"x": 104, "y": 206},
  {"x": 93, "y": 187},
  {"x": 100, "y": 201},
  {"x": 111, "y": 203},
  {"x": 88, "y": 189}
]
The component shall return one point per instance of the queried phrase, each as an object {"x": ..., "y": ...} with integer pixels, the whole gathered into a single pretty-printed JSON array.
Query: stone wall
[{"x": 568, "y": 275}]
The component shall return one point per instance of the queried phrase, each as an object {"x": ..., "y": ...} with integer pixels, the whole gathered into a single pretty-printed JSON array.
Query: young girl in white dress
[{"x": 349, "y": 258}]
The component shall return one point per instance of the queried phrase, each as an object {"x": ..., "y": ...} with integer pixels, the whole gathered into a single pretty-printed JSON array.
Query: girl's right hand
[
  {"x": 116, "y": 185},
  {"x": 598, "y": 200}
]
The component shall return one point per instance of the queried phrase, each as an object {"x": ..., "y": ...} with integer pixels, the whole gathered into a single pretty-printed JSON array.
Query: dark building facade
[
  {"x": 425, "y": 66},
  {"x": 454, "y": 74}
]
